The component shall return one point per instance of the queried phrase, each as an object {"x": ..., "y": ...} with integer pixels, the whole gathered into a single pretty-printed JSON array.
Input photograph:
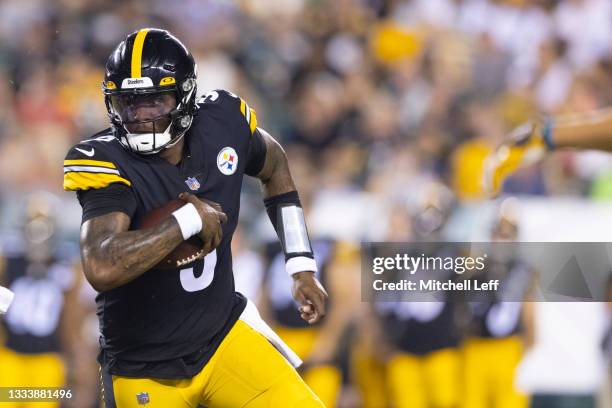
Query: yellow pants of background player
[
  {"x": 489, "y": 370},
  {"x": 369, "y": 374},
  {"x": 245, "y": 371},
  {"x": 30, "y": 370},
  {"x": 325, "y": 379},
  {"x": 425, "y": 381}
]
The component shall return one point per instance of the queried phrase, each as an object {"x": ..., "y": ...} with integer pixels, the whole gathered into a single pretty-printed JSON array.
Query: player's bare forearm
[
  {"x": 528, "y": 143},
  {"x": 113, "y": 256},
  {"x": 276, "y": 179},
  {"x": 590, "y": 130},
  {"x": 275, "y": 176}
]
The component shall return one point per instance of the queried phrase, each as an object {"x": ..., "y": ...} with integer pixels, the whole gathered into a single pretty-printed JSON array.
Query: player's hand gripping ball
[{"x": 197, "y": 246}]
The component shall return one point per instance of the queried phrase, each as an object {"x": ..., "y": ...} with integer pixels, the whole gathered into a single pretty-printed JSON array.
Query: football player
[
  {"x": 39, "y": 326},
  {"x": 319, "y": 346},
  {"x": 530, "y": 142},
  {"x": 183, "y": 337},
  {"x": 424, "y": 361},
  {"x": 495, "y": 330}
]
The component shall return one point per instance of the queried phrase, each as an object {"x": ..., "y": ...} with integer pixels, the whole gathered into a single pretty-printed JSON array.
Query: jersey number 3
[{"x": 190, "y": 283}]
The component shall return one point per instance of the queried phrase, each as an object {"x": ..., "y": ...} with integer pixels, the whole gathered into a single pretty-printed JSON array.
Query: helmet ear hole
[
  {"x": 185, "y": 122},
  {"x": 187, "y": 85}
]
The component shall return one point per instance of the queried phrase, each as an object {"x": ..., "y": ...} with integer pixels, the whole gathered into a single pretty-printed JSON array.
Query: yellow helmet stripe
[{"x": 137, "y": 52}]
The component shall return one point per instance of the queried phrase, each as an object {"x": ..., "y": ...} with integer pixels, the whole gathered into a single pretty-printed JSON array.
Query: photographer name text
[{"x": 433, "y": 285}]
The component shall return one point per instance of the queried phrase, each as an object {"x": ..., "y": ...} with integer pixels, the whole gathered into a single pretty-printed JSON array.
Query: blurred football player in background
[
  {"x": 37, "y": 333},
  {"x": 320, "y": 373},
  {"x": 322, "y": 346},
  {"x": 423, "y": 366},
  {"x": 493, "y": 346}
]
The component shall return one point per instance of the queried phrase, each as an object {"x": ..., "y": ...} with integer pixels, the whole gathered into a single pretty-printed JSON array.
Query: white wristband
[
  {"x": 6, "y": 298},
  {"x": 300, "y": 264},
  {"x": 188, "y": 220}
]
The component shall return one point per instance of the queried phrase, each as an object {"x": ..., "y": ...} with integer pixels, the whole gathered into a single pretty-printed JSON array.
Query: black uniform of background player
[
  {"x": 32, "y": 325},
  {"x": 499, "y": 315},
  {"x": 153, "y": 326}
]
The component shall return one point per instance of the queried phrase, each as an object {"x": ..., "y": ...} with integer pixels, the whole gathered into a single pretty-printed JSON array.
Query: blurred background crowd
[{"x": 387, "y": 109}]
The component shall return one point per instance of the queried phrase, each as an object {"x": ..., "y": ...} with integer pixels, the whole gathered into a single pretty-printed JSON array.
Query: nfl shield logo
[
  {"x": 192, "y": 183},
  {"x": 143, "y": 398}
]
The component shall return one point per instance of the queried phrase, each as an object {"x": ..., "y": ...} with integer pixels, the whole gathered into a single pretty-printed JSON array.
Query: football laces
[{"x": 190, "y": 259}]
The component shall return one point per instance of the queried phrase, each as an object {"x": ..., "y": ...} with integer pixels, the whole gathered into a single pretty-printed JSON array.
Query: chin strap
[
  {"x": 138, "y": 142},
  {"x": 127, "y": 140}
]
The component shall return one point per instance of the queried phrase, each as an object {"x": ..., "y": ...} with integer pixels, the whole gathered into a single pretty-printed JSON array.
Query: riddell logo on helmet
[{"x": 135, "y": 81}]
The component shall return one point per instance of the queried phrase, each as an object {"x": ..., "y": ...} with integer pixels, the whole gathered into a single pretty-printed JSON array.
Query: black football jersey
[
  {"x": 33, "y": 320},
  {"x": 168, "y": 323},
  {"x": 493, "y": 317},
  {"x": 421, "y": 327},
  {"x": 284, "y": 308}
]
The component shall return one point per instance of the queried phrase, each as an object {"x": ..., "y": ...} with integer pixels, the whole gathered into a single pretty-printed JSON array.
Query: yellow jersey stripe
[
  {"x": 137, "y": 53},
  {"x": 253, "y": 123},
  {"x": 86, "y": 162},
  {"x": 243, "y": 107},
  {"x": 86, "y": 181},
  {"x": 249, "y": 115}
]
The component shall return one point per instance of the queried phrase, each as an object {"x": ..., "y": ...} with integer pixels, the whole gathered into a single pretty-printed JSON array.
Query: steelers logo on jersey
[{"x": 227, "y": 161}]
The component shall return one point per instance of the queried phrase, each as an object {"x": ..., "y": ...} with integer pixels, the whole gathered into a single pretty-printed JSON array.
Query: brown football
[{"x": 187, "y": 251}]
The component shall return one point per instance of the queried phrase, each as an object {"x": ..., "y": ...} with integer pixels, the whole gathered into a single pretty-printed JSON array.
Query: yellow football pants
[
  {"x": 489, "y": 370},
  {"x": 31, "y": 370},
  {"x": 245, "y": 371},
  {"x": 370, "y": 376},
  {"x": 325, "y": 380},
  {"x": 425, "y": 381}
]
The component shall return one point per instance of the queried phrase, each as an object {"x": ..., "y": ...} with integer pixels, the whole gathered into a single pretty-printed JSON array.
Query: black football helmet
[{"x": 152, "y": 69}]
